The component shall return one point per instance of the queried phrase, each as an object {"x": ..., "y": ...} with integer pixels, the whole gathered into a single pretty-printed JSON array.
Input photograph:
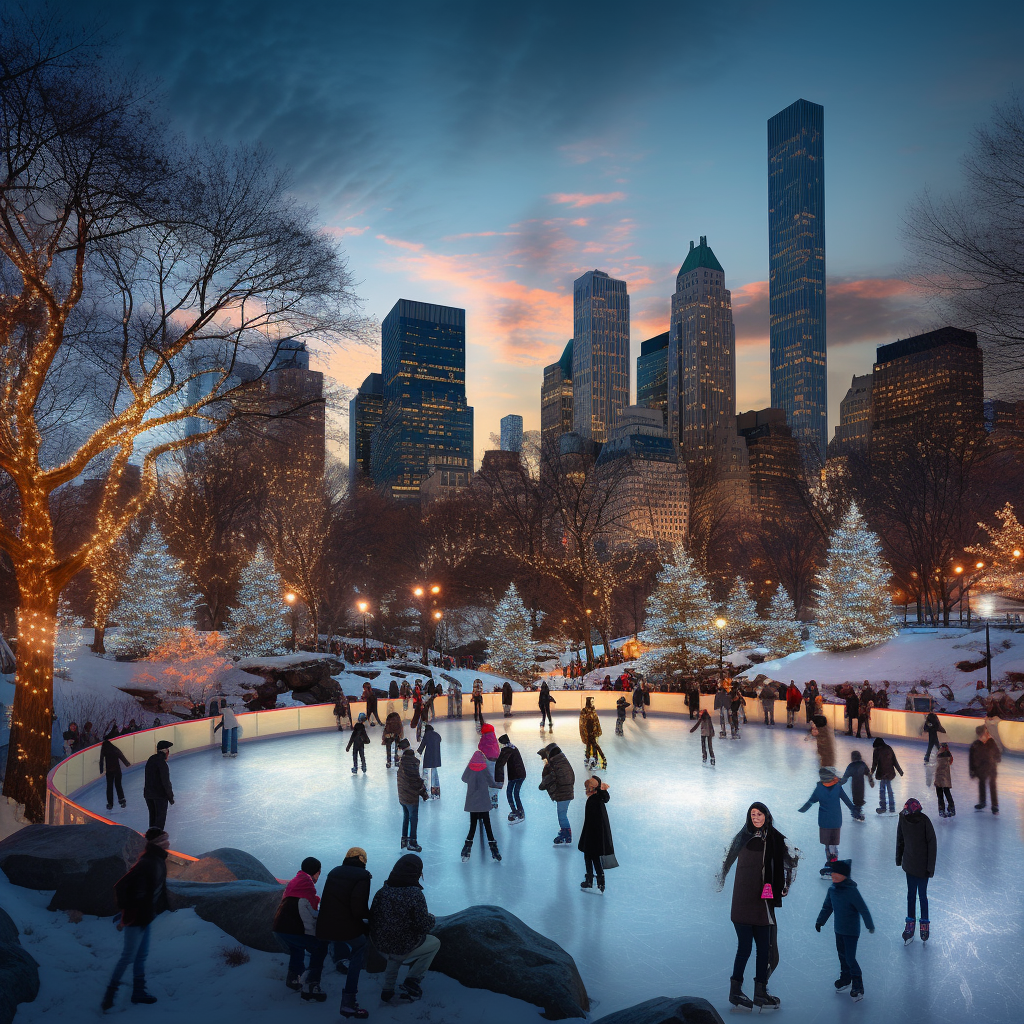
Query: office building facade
[
  {"x": 512, "y": 433},
  {"x": 364, "y": 415},
  {"x": 775, "y": 463},
  {"x": 853, "y": 434},
  {"x": 556, "y": 398},
  {"x": 796, "y": 269},
  {"x": 652, "y": 374}
]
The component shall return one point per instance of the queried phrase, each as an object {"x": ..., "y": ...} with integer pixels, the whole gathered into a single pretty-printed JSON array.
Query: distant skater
[
  {"x": 430, "y": 748},
  {"x": 856, "y": 772},
  {"x": 357, "y": 743},
  {"x": 393, "y": 732},
  {"x": 111, "y": 759},
  {"x": 932, "y": 727},
  {"x": 944, "y": 781},
  {"x": 479, "y": 780},
  {"x": 620, "y": 715},
  {"x": 590, "y": 730},
  {"x": 707, "y": 735},
  {"x": 478, "y": 702},
  {"x": 544, "y": 702},
  {"x": 157, "y": 790},
  {"x": 510, "y": 760},
  {"x": 884, "y": 767},
  {"x": 371, "y": 705},
  {"x": 983, "y": 764}
]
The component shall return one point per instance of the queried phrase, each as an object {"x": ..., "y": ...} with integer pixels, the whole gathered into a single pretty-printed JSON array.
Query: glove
[
  {"x": 817, "y": 927},
  {"x": 871, "y": 931}
]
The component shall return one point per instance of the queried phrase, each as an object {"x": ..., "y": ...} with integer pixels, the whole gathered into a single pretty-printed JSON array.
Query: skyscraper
[
  {"x": 425, "y": 421},
  {"x": 600, "y": 353},
  {"x": 796, "y": 269},
  {"x": 853, "y": 434},
  {"x": 701, "y": 385},
  {"x": 512, "y": 433},
  {"x": 652, "y": 374},
  {"x": 364, "y": 413},
  {"x": 556, "y": 398}
]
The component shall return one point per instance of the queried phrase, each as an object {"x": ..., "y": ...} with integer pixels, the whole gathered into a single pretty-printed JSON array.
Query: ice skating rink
[{"x": 661, "y": 928}]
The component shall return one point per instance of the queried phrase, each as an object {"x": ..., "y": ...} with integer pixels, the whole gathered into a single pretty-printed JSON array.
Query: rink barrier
[{"x": 82, "y": 768}]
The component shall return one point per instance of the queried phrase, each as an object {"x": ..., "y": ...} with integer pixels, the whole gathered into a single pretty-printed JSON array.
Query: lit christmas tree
[
  {"x": 510, "y": 647},
  {"x": 781, "y": 629},
  {"x": 1003, "y": 557},
  {"x": 744, "y": 627},
  {"x": 680, "y": 631},
  {"x": 67, "y": 639},
  {"x": 257, "y": 626},
  {"x": 854, "y": 605},
  {"x": 156, "y": 599}
]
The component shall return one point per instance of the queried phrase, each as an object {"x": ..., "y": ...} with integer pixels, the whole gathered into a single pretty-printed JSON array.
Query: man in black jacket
[
  {"x": 513, "y": 760},
  {"x": 344, "y": 921},
  {"x": 506, "y": 698},
  {"x": 141, "y": 895},
  {"x": 157, "y": 792}
]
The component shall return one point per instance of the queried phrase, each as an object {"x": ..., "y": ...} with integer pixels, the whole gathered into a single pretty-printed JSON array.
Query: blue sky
[{"x": 484, "y": 155}]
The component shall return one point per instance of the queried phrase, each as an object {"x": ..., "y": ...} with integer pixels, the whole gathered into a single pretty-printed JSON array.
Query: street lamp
[
  {"x": 438, "y": 614},
  {"x": 362, "y": 606},
  {"x": 290, "y": 600},
  {"x": 721, "y": 624},
  {"x": 421, "y": 593}
]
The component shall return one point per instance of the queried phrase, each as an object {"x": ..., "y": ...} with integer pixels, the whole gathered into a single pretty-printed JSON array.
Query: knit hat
[
  {"x": 403, "y": 744},
  {"x": 841, "y": 867},
  {"x": 358, "y": 852},
  {"x": 477, "y": 763},
  {"x": 826, "y": 774},
  {"x": 912, "y": 806},
  {"x": 504, "y": 740},
  {"x": 361, "y": 718}
]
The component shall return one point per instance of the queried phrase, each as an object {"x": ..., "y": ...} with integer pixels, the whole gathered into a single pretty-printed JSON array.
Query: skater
[
  {"x": 559, "y": 781},
  {"x": 825, "y": 739},
  {"x": 506, "y": 698},
  {"x": 722, "y": 705},
  {"x": 544, "y": 702},
  {"x": 736, "y": 703},
  {"x": 827, "y": 795},
  {"x": 488, "y": 744},
  {"x": 157, "y": 790},
  {"x": 430, "y": 748},
  {"x": 478, "y": 701},
  {"x": 393, "y": 732},
  {"x": 856, "y": 771},
  {"x": 596, "y": 835},
  {"x": 357, "y": 743},
  {"x": 393, "y": 690},
  {"x": 943, "y": 781},
  {"x": 111, "y": 759},
  {"x": 884, "y": 767},
  {"x": 864, "y": 706},
  {"x": 454, "y": 699},
  {"x": 417, "y": 711},
  {"x": 228, "y": 726},
  {"x": 620, "y": 715},
  {"x": 793, "y": 699},
  {"x": 810, "y": 693},
  {"x": 479, "y": 780},
  {"x": 400, "y": 928},
  {"x": 915, "y": 853},
  {"x": 983, "y": 758},
  {"x": 638, "y": 701},
  {"x": 707, "y": 736},
  {"x": 693, "y": 700},
  {"x": 590, "y": 729},
  {"x": 765, "y": 869},
  {"x": 371, "y": 705},
  {"x": 852, "y": 710},
  {"x": 844, "y": 900},
  {"x": 932, "y": 726},
  {"x": 342, "y": 710},
  {"x": 344, "y": 922},
  {"x": 410, "y": 791},
  {"x": 768, "y": 697},
  {"x": 511, "y": 759},
  {"x": 141, "y": 896},
  {"x": 295, "y": 928}
]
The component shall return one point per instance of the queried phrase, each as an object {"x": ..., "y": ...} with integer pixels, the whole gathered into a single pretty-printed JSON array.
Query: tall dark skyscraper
[
  {"x": 796, "y": 269},
  {"x": 652, "y": 374},
  {"x": 556, "y": 398},
  {"x": 364, "y": 412},
  {"x": 425, "y": 421}
]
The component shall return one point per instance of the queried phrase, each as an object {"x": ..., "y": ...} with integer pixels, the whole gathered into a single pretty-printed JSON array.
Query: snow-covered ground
[{"x": 661, "y": 928}]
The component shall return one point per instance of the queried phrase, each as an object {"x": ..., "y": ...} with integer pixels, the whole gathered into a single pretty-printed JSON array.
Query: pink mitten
[{"x": 766, "y": 892}]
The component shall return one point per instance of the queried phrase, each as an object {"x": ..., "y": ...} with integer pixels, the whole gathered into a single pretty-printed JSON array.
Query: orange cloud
[
  {"x": 342, "y": 232},
  {"x": 578, "y": 199}
]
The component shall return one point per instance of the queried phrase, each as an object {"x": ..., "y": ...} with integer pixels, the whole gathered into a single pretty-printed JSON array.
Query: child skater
[
  {"x": 844, "y": 901},
  {"x": 620, "y": 716},
  {"x": 827, "y": 795},
  {"x": 707, "y": 735},
  {"x": 856, "y": 771},
  {"x": 357, "y": 742}
]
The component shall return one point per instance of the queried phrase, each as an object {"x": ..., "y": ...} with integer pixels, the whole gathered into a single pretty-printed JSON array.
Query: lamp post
[
  {"x": 988, "y": 660},
  {"x": 438, "y": 614},
  {"x": 721, "y": 624},
  {"x": 362, "y": 606},
  {"x": 290, "y": 601},
  {"x": 424, "y": 594}
]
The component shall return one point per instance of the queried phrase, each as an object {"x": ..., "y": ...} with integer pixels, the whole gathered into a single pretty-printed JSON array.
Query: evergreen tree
[
  {"x": 744, "y": 627},
  {"x": 67, "y": 639},
  {"x": 782, "y": 630},
  {"x": 156, "y": 599},
  {"x": 680, "y": 630},
  {"x": 257, "y": 626},
  {"x": 854, "y": 605},
  {"x": 510, "y": 647},
  {"x": 1003, "y": 556}
]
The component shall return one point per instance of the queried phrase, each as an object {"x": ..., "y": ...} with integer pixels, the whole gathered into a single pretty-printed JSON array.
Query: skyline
[{"x": 473, "y": 168}]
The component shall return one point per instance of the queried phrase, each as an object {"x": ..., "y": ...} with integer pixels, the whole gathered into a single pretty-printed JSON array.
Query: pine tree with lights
[
  {"x": 1002, "y": 563},
  {"x": 854, "y": 605},
  {"x": 257, "y": 626},
  {"x": 680, "y": 632},
  {"x": 744, "y": 627},
  {"x": 156, "y": 599},
  {"x": 782, "y": 629},
  {"x": 67, "y": 639},
  {"x": 510, "y": 646}
]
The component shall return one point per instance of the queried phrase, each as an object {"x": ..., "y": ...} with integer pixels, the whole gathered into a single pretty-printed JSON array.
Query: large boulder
[
  {"x": 487, "y": 947},
  {"x": 309, "y": 681},
  {"x": 244, "y": 866},
  {"x": 662, "y": 1010},
  {"x": 243, "y": 909},
  {"x": 19, "y": 973}
]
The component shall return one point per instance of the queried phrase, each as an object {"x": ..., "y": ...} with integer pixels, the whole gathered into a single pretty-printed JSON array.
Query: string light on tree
[
  {"x": 781, "y": 628},
  {"x": 257, "y": 625},
  {"x": 510, "y": 645}
]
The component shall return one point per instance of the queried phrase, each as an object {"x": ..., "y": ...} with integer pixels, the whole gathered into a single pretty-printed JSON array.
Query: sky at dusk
[{"x": 485, "y": 155}]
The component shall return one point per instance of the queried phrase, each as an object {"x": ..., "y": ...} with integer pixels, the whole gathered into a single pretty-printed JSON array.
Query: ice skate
[
  {"x": 123, "y": 803},
  {"x": 312, "y": 992},
  {"x": 492, "y": 845},
  {"x": 925, "y": 930},
  {"x": 411, "y": 989},
  {"x": 564, "y": 837},
  {"x": 736, "y": 994},
  {"x": 108, "y": 997},
  {"x": 350, "y": 1008},
  {"x": 600, "y": 885},
  {"x": 467, "y": 850},
  {"x": 857, "y": 992},
  {"x": 908, "y": 931},
  {"x": 355, "y": 770},
  {"x": 712, "y": 762},
  {"x": 364, "y": 769},
  {"x": 942, "y": 814},
  {"x": 292, "y": 982},
  {"x": 951, "y": 813},
  {"x": 405, "y": 842},
  {"x": 110, "y": 807},
  {"x": 587, "y": 883},
  {"x": 763, "y": 998},
  {"x": 414, "y": 847},
  {"x": 139, "y": 993},
  {"x": 841, "y": 985}
]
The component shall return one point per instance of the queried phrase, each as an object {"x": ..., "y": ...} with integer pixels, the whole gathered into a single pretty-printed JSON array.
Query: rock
[
  {"x": 680, "y": 1010},
  {"x": 487, "y": 947},
  {"x": 205, "y": 869},
  {"x": 243, "y": 909},
  {"x": 242, "y": 865},
  {"x": 310, "y": 681},
  {"x": 19, "y": 973},
  {"x": 413, "y": 668}
]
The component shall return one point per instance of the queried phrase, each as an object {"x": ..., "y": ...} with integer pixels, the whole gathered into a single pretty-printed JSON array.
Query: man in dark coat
[
  {"x": 111, "y": 759},
  {"x": 983, "y": 759},
  {"x": 506, "y": 698},
  {"x": 558, "y": 780},
  {"x": 884, "y": 767},
  {"x": 157, "y": 790},
  {"x": 344, "y": 921},
  {"x": 596, "y": 835},
  {"x": 852, "y": 710}
]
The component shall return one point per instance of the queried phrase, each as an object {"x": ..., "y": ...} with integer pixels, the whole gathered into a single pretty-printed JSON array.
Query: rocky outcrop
[
  {"x": 243, "y": 909},
  {"x": 244, "y": 866},
  {"x": 308, "y": 681},
  {"x": 487, "y": 947},
  {"x": 19, "y": 973},
  {"x": 662, "y": 1010}
]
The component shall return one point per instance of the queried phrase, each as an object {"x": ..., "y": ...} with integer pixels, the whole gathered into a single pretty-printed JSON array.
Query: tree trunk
[{"x": 98, "y": 633}]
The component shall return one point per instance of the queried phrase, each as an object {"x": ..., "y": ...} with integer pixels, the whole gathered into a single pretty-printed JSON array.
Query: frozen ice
[{"x": 661, "y": 928}]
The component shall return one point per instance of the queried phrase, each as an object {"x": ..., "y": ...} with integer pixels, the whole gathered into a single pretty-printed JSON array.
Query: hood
[
  {"x": 477, "y": 763},
  {"x": 406, "y": 872},
  {"x": 764, "y": 810},
  {"x": 879, "y": 742},
  {"x": 549, "y": 751}
]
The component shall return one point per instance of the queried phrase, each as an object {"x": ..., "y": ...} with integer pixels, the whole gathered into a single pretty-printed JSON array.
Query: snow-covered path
[{"x": 661, "y": 928}]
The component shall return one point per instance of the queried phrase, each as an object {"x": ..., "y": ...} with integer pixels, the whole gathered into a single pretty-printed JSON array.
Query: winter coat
[
  {"x": 297, "y": 912},
  {"x": 705, "y": 724},
  {"x": 545, "y": 700},
  {"x": 410, "y": 783},
  {"x": 430, "y": 748},
  {"x": 793, "y": 699},
  {"x": 982, "y": 759},
  {"x": 915, "y": 844},
  {"x": 883, "y": 761},
  {"x": 722, "y": 700},
  {"x": 158, "y": 779},
  {"x": 590, "y": 725},
  {"x": 620, "y": 709},
  {"x": 774, "y": 862},
  {"x": 827, "y": 797},
  {"x": 393, "y": 690},
  {"x": 488, "y": 744},
  {"x": 511, "y": 758},
  {"x": 359, "y": 737},
  {"x": 479, "y": 779},
  {"x": 748, "y": 884},
  {"x": 393, "y": 729},
  {"x": 932, "y": 726},
  {"x": 943, "y": 770},
  {"x": 141, "y": 894},
  {"x": 345, "y": 904},
  {"x": 638, "y": 697},
  {"x": 227, "y": 720},
  {"x": 693, "y": 699},
  {"x": 596, "y": 834},
  {"x": 111, "y": 759},
  {"x": 399, "y": 920},
  {"x": 506, "y": 693},
  {"x": 826, "y": 742},
  {"x": 768, "y": 695},
  {"x": 852, "y": 706},
  {"x": 855, "y": 771},
  {"x": 845, "y": 901},
  {"x": 557, "y": 778},
  {"x": 810, "y": 692}
]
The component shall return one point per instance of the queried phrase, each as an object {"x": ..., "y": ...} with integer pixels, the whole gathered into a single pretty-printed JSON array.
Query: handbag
[{"x": 608, "y": 861}]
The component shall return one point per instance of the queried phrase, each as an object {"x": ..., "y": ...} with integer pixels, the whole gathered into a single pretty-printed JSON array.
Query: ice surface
[{"x": 661, "y": 928}]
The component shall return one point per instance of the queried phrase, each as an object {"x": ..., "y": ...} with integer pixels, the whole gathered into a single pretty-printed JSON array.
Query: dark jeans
[
  {"x": 769, "y": 713},
  {"x": 484, "y": 817},
  {"x": 545, "y": 713},
  {"x": 229, "y": 741},
  {"x": 706, "y": 746},
  {"x": 992, "y": 789},
  {"x": 885, "y": 789},
  {"x": 410, "y": 819},
  {"x": 157, "y": 813},
  {"x": 917, "y": 887},
  {"x": 746, "y": 936},
  {"x": 945, "y": 798},
  {"x": 933, "y": 744},
  {"x": 512, "y": 794},
  {"x": 297, "y": 945},
  {"x": 358, "y": 754},
  {"x": 593, "y": 866},
  {"x": 866, "y": 722},
  {"x": 354, "y": 951},
  {"x": 478, "y": 713},
  {"x": 134, "y": 951},
  {"x": 114, "y": 781},
  {"x": 846, "y": 947},
  {"x": 371, "y": 713}
]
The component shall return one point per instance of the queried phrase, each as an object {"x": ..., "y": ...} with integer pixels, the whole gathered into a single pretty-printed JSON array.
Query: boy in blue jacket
[
  {"x": 845, "y": 901},
  {"x": 829, "y": 796}
]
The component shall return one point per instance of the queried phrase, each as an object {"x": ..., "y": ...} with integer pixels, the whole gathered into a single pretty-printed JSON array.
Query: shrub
[{"x": 234, "y": 956}]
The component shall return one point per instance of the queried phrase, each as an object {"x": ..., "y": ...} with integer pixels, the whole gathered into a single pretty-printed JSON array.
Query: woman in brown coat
[
  {"x": 393, "y": 732},
  {"x": 944, "y": 781}
]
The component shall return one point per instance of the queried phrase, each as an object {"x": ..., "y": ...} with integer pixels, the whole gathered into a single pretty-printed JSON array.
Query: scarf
[{"x": 303, "y": 887}]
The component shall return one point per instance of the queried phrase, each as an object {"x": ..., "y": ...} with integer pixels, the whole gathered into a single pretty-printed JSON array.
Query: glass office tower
[{"x": 652, "y": 374}]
